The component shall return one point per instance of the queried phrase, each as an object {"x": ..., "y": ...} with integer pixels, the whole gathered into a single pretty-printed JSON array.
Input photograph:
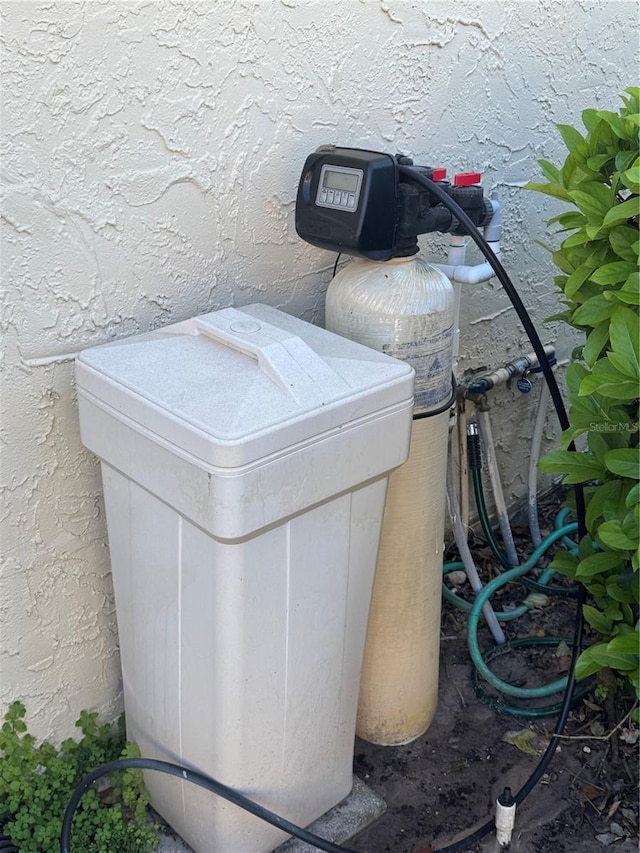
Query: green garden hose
[
  {"x": 474, "y": 617},
  {"x": 480, "y": 660},
  {"x": 529, "y": 713},
  {"x": 462, "y": 604}
]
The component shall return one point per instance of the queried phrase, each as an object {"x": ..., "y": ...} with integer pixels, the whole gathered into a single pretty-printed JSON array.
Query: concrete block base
[{"x": 343, "y": 821}]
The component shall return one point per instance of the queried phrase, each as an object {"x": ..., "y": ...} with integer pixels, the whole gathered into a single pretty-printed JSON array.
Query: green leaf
[
  {"x": 587, "y": 664},
  {"x": 621, "y": 212},
  {"x": 604, "y": 496},
  {"x": 631, "y": 179},
  {"x": 624, "y": 332},
  {"x": 605, "y": 379},
  {"x": 594, "y": 197},
  {"x": 596, "y": 341},
  {"x": 594, "y": 413},
  {"x": 613, "y": 659},
  {"x": 622, "y": 239},
  {"x": 612, "y": 610},
  {"x": 597, "y": 563},
  {"x": 613, "y": 273},
  {"x": 593, "y": 311},
  {"x": 578, "y": 467},
  {"x": 594, "y": 230},
  {"x": 568, "y": 170},
  {"x": 629, "y": 293},
  {"x": 625, "y": 159},
  {"x": 611, "y": 534},
  {"x": 523, "y": 739},
  {"x": 625, "y": 462},
  {"x": 578, "y": 278},
  {"x": 565, "y": 563},
  {"x": 590, "y": 119},
  {"x": 626, "y": 644},
  {"x": 601, "y": 441},
  {"x": 597, "y": 620},
  {"x": 574, "y": 375},
  {"x": 571, "y": 137},
  {"x": 550, "y": 171},
  {"x": 624, "y": 365},
  {"x": 615, "y": 122},
  {"x": 554, "y": 190},
  {"x": 622, "y": 596},
  {"x": 561, "y": 260},
  {"x": 580, "y": 238},
  {"x": 569, "y": 220},
  {"x": 598, "y": 161}
]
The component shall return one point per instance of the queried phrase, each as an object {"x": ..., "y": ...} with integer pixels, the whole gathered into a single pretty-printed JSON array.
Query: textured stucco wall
[{"x": 150, "y": 156}]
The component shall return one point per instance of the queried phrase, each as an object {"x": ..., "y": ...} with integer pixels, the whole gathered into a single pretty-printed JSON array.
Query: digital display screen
[{"x": 340, "y": 181}]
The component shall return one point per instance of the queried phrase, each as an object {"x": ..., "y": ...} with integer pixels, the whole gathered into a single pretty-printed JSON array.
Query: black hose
[
  {"x": 443, "y": 407},
  {"x": 532, "y": 781},
  {"x": 561, "y": 412},
  {"x": 198, "y": 779},
  {"x": 521, "y": 311}
]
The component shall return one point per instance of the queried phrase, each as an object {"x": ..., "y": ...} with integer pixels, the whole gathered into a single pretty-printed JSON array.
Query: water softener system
[
  {"x": 373, "y": 206},
  {"x": 370, "y": 205}
]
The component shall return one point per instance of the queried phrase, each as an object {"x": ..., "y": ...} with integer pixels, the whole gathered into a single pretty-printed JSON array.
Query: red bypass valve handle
[{"x": 467, "y": 179}]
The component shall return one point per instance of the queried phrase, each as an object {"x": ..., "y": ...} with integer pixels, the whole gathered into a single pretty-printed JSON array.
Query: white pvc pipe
[
  {"x": 536, "y": 446},
  {"x": 465, "y": 555},
  {"x": 486, "y": 436},
  {"x": 467, "y": 274}
]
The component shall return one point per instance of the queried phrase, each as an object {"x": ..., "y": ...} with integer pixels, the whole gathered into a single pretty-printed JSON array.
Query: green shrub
[
  {"x": 36, "y": 783},
  {"x": 599, "y": 280}
]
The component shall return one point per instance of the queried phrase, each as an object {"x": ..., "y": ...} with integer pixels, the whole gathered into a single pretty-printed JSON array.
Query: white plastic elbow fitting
[{"x": 505, "y": 818}]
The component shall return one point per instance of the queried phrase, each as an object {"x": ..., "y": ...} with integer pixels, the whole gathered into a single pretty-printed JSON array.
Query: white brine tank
[
  {"x": 404, "y": 308},
  {"x": 244, "y": 458}
]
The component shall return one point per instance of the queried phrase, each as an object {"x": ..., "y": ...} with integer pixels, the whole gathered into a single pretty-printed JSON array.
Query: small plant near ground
[
  {"x": 36, "y": 783},
  {"x": 599, "y": 280}
]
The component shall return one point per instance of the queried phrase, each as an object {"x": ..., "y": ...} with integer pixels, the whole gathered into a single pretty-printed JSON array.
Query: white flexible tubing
[
  {"x": 465, "y": 555},
  {"x": 486, "y": 436},
  {"x": 536, "y": 446},
  {"x": 463, "y": 474}
]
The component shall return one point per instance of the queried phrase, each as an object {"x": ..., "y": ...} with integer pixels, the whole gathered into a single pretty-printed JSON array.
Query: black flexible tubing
[
  {"x": 473, "y": 232},
  {"x": 198, "y": 779},
  {"x": 532, "y": 781},
  {"x": 444, "y": 406},
  {"x": 561, "y": 412},
  {"x": 485, "y": 524},
  {"x": 521, "y": 311}
]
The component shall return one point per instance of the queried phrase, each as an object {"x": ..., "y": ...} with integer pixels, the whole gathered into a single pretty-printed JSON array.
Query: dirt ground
[{"x": 444, "y": 785}]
